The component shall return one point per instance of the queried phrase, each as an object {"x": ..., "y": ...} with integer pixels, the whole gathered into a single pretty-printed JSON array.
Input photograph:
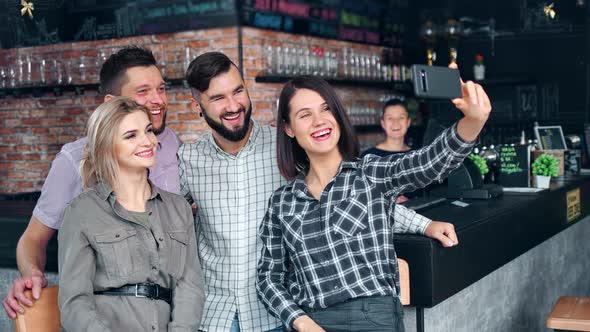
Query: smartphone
[{"x": 436, "y": 82}]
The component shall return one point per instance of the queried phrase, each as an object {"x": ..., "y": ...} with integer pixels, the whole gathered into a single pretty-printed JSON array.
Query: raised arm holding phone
[{"x": 328, "y": 233}]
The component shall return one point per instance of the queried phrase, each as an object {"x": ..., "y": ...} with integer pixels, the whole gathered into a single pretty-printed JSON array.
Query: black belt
[{"x": 151, "y": 291}]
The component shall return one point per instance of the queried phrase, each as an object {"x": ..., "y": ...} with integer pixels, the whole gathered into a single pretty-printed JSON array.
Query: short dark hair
[
  {"x": 205, "y": 67},
  {"x": 394, "y": 102},
  {"x": 291, "y": 157},
  {"x": 113, "y": 70}
]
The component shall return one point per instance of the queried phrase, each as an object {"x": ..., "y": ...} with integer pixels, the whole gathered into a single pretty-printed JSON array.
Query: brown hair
[
  {"x": 394, "y": 102},
  {"x": 112, "y": 72},
  {"x": 291, "y": 157}
]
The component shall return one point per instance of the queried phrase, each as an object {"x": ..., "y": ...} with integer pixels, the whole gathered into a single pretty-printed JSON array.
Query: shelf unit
[
  {"x": 404, "y": 87},
  {"x": 58, "y": 90}
]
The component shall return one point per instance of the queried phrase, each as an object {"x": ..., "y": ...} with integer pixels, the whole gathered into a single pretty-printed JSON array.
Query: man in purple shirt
[{"x": 131, "y": 72}]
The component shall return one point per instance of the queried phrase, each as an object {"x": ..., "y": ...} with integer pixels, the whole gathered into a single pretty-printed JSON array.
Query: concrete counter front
[{"x": 516, "y": 255}]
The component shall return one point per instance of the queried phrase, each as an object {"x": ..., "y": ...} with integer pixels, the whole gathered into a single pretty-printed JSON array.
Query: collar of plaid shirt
[
  {"x": 248, "y": 147},
  {"x": 300, "y": 187}
]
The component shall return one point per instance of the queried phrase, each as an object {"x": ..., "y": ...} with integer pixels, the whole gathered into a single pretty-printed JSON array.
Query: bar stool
[
  {"x": 570, "y": 314},
  {"x": 43, "y": 316}
]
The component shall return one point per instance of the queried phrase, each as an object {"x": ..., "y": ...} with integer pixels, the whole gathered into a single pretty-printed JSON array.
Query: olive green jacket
[{"x": 102, "y": 246}]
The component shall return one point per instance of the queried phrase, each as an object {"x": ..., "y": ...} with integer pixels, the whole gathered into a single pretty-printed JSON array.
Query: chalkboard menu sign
[
  {"x": 56, "y": 21},
  {"x": 380, "y": 22},
  {"x": 374, "y": 22},
  {"x": 514, "y": 166}
]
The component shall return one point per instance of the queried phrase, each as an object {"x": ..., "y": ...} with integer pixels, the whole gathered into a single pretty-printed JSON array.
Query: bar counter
[{"x": 492, "y": 233}]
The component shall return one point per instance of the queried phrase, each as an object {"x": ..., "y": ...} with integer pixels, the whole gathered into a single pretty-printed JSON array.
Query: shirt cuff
[
  {"x": 456, "y": 143},
  {"x": 419, "y": 225},
  {"x": 289, "y": 314}
]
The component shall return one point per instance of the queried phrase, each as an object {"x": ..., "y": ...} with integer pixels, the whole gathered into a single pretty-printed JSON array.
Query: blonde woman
[{"x": 127, "y": 250}]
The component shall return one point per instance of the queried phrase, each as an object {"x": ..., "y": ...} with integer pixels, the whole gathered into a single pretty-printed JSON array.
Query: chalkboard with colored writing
[
  {"x": 56, "y": 21},
  {"x": 514, "y": 166},
  {"x": 373, "y": 22}
]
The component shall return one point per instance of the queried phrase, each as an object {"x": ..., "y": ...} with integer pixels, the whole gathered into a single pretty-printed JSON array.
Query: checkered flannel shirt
[
  {"x": 341, "y": 247},
  {"x": 231, "y": 193}
]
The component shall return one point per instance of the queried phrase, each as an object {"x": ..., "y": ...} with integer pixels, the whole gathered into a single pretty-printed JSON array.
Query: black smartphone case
[{"x": 436, "y": 82}]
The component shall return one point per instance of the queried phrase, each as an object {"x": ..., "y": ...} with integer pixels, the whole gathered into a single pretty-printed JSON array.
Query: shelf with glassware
[
  {"x": 365, "y": 113},
  {"x": 59, "y": 89},
  {"x": 379, "y": 69},
  {"x": 32, "y": 73},
  {"x": 340, "y": 66},
  {"x": 400, "y": 86},
  {"x": 35, "y": 73}
]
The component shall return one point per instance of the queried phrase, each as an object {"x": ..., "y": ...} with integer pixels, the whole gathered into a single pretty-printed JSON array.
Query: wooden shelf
[
  {"x": 37, "y": 91},
  {"x": 368, "y": 129}
]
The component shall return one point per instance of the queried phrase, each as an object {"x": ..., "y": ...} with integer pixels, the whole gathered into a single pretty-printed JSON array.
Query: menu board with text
[
  {"x": 372, "y": 21},
  {"x": 514, "y": 166}
]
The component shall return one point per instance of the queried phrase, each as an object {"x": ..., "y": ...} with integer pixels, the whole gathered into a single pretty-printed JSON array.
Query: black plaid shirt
[{"x": 341, "y": 247}]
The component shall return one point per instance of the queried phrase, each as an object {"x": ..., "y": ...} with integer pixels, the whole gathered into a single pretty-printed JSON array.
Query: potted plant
[
  {"x": 480, "y": 163},
  {"x": 544, "y": 167}
]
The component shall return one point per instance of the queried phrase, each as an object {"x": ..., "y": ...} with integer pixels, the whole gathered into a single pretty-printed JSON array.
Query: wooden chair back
[
  {"x": 43, "y": 316},
  {"x": 404, "y": 281}
]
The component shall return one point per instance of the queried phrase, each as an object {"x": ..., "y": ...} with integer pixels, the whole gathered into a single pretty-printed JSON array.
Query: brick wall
[{"x": 33, "y": 129}]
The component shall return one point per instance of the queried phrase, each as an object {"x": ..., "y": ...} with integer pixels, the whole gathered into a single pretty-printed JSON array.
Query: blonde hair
[{"x": 99, "y": 163}]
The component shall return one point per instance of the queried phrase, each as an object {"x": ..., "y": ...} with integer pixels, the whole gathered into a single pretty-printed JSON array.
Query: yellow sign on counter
[{"x": 574, "y": 208}]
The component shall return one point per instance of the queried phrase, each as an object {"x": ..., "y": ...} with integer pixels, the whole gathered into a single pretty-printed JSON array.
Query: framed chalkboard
[
  {"x": 373, "y": 22},
  {"x": 56, "y": 21},
  {"x": 514, "y": 166},
  {"x": 550, "y": 138},
  {"x": 379, "y": 22}
]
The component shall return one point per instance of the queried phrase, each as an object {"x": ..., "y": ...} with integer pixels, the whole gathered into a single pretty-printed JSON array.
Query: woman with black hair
[{"x": 328, "y": 260}]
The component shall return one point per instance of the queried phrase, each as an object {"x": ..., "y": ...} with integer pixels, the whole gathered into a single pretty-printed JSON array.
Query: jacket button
[
  {"x": 161, "y": 239},
  {"x": 117, "y": 236}
]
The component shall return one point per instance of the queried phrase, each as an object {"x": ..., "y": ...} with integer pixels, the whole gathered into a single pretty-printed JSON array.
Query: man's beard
[
  {"x": 229, "y": 134},
  {"x": 160, "y": 130}
]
